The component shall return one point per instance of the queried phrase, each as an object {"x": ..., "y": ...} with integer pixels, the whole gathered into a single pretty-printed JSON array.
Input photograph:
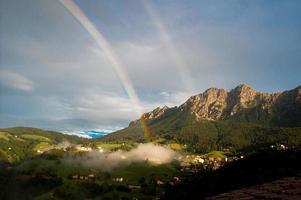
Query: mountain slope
[
  {"x": 245, "y": 104},
  {"x": 209, "y": 118},
  {"x": 22, "y": 142}
]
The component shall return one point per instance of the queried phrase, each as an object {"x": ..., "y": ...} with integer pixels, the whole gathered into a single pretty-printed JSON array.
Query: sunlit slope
[
  {"x": 23, "y": 142},
  {"x": 216, "y": 119}
]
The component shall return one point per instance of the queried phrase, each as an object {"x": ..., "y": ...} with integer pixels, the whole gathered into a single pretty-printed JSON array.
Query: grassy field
[
  {"x": 42, "y": 146},
  {"x": 34, "y": 137},
  {"x": 116, "y": 146},
  {"x": 4, "y": 136},
  {"x": 176, "y": 146},
  {"x": 135, "y": 172},
  {"x": 21, "y": 143},
  {"x": 215, "y": 154}
]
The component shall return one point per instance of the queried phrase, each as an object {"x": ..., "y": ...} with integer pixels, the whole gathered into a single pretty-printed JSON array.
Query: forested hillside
[{"x": 216, "y": 119}]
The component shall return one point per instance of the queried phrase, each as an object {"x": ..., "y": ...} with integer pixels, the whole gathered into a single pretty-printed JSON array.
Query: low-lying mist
[{"x": 108, "y": 161}]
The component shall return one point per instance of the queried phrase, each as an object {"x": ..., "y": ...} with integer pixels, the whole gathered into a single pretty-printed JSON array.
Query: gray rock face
[
  {"x": 208, "y": 105},
  {"x": 155, "y": 113},
  {"x": 242, "y": 103}
]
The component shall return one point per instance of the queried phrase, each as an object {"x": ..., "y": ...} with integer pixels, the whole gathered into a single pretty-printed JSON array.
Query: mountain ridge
[
  {"x": 218, "y": 118},
  {"x": 219, "y": 104}
]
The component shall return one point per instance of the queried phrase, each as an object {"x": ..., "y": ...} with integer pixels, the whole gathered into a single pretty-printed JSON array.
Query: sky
[{"x": 54, "y": 74}]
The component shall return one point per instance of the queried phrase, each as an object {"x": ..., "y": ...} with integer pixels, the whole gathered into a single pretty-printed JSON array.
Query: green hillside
[
  {"x": 208, "y": 136},
  {"x": 238, "y": 120},
  {"x": 22, "y": 142}
]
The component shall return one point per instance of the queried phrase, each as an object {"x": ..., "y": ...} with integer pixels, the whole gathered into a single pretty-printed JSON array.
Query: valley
[
  {"x": 195, "y": 144},
  {"x": 150, "y": 100}
]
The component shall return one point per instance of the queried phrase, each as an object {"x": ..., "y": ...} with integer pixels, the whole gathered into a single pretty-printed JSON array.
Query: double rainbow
[{"x": 119, "y": 68}]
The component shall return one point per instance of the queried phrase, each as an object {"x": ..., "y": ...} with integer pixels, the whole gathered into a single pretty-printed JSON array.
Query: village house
[
  {"x": 91, "y": 176},
  {"x": 118, "y": 179},
  {"x": 81, "y": 148},
  {"x": 74, "y": 177},
  {"x": 100, "y": 149},
  {"x": 159, "y": 182},
  {"x": 82, "y": 177},
  {"x": 176, "y": 179}
]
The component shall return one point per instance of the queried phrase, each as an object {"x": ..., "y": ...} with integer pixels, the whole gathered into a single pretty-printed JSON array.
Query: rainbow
[
  {"x": 119, "y": 68},
  {"x": 174, "y": 54}
]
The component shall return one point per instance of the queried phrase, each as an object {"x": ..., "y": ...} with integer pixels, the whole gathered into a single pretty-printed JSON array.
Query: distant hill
[
  {"x": 23, "y": 142},
  {"x": 217, "y": 119}
]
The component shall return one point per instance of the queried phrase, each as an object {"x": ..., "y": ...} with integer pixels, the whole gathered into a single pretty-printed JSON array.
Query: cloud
[
  {"x": 69, "y": 82},
  {"x": 109, "y": 106},
  {"x": 165, "y": 94},
  {"x": 15, "y": 81},
  {"x": 77, "y": 133},
  {"x": 108, "y": 161}
]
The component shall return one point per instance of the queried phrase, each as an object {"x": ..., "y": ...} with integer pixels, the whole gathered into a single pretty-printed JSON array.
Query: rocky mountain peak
[
  {"x": 242, "y": 102},
  {"x": 216, "y": 104},
  {"x": 207, "y": 105},
  {"x": 242, "y": 94},
  {"x": 243, "y": 89},
  {"x": 159, "y": 111}
]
